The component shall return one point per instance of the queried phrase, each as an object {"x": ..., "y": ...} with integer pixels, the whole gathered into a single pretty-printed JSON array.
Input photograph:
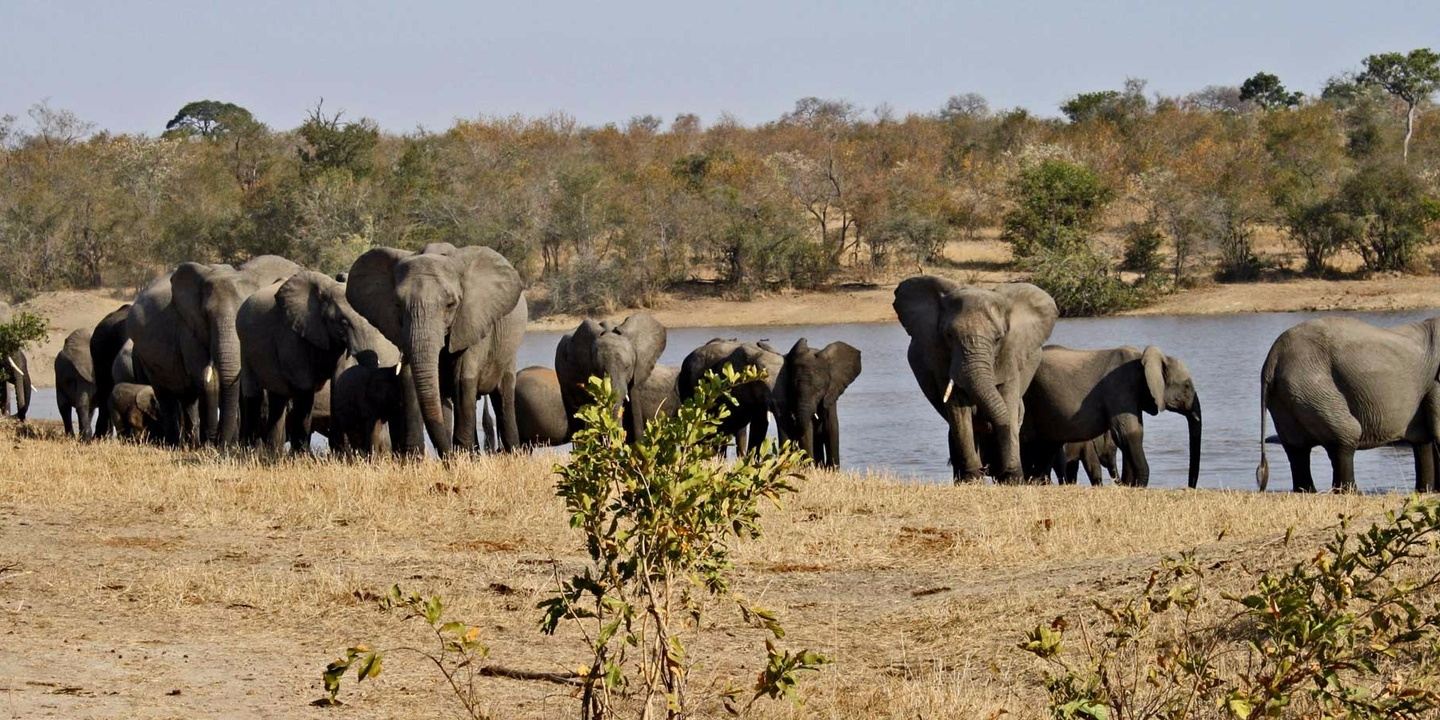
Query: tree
[
  {"x": 1057, "y": 205},
  {"x": 1267, "y": 91},
  {"x": 1392, "y": 215},
  {"x": 968, "y": 105},
  {"x": 1412, "y": 78},
  {"x": 333, "y": 144},
  {"x": 210, "y": 119}
]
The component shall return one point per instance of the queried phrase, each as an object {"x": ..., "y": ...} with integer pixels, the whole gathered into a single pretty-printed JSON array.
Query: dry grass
[{"x": 140, "y": 583}]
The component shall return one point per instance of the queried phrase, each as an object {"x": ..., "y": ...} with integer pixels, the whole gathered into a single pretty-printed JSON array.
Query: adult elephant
[
  {"x": 1347, "y": 385},
  {"x": 186, "y": 346},
  {"x": 625, "y": 354},
  {"x": 1078, "y": 395},
  {"x": 811, "y": 382},
  {"x": 754, "y": 401},
  {"x": 974, "y": 351},
  {"x": 106, "y": 341},
  {"x": 14, "y": 372},
  {"x": 292, "y": 337},
  {"x": 458, "y": 316},
  {"x": 75, "y": 384}
]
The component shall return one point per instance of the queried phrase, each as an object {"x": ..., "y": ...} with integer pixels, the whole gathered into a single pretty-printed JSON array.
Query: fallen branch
[{"x": 559, "y": 678}]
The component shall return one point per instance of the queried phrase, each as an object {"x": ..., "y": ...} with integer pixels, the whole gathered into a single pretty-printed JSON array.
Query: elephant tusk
[
  {"x": 209, "y": 373},
  {"x": 398, "y": 367},
  {"x": 19, "y": 374},
  {"x": 817, "y": 416},
  {"x": 948, "y": 388}
]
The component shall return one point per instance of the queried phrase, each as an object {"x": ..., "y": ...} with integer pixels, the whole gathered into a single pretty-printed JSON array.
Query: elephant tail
[{"x": 1267, "y": 376}]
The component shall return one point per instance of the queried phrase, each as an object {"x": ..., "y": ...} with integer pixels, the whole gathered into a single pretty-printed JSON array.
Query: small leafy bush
[
  {"x": 1351, "y": 632},
  {"x": 1142, "y": 248},
  {"x": 1058, "y": 204},
  {"x": 658, "y": 519},
  {"x": 23, "y": 330},
  {"x": 1081, "y": 282}
]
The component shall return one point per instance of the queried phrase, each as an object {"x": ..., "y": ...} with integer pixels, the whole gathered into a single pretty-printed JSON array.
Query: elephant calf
[
  {"x": 754, "y": 401},
  {"x": 807, "y": 397},
  {"x": 135, "y": 412},
  {"x": 364, "y": 402},
  {"x": 75, "y": 384},
  {"x": 1078, "y": 395},
  {"x": 1096, "y": 456}
]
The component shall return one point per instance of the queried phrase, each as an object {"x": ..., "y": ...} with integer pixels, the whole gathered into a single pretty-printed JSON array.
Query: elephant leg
[
  {"x": 758, "y": 429},
  {"x": 464, "y": 434},
  {"x": 64, "y": 406},
  {"x": 742, "y": 442},
  {"x": 1071, "y": 472},
  {"x": 1091, "y": 461},
  {"x": 83, "y": 416},
  {"x": 1130, "y": 436},
  {"x": 1342, "y": 462},
  {"x": 102, "y": 405},
  {"x": 1424, "y": 467},
  {"x": 275, "y": 423},
  {"x": 505, "y": 412},
  {"x": 487, "y": 425},
  {"x": 1301, "y": 479},
  {"x": 965, "y": 461},
  {"x": 409, "y": 437},
  {"x": 170, "y": 418},
  {"x": 297, "y": 422}
]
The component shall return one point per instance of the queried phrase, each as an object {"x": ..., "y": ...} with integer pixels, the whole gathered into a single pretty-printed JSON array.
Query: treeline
[{"x": 1129, "y": 192}]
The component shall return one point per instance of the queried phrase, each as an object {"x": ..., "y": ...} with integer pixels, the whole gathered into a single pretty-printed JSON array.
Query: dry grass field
[{"x": 140, "y": 583}]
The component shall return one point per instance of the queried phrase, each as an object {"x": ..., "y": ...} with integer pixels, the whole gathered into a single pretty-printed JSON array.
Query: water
[{"x": 887, "y": 425}]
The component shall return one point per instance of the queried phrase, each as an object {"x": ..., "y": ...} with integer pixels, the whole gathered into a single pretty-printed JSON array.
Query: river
[{"x": 887, "y": 426}]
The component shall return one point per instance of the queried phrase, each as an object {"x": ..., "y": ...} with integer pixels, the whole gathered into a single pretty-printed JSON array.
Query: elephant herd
[{"x": 407, "y": 346}]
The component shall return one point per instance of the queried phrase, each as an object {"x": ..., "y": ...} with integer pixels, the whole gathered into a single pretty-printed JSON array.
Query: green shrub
[
  {"x": 1057, "y": 206},
  {"x": 23, "y": 330},
  {"x": 1081, "y": 282},
  {"x": 1393, "y": 215},
  {"x": 1142, "y": 248},
  {"x": 1352, "y": 631}
]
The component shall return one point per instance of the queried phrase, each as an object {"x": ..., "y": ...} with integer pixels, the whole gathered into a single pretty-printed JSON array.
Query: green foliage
[
  {"x": 1392, "y": 215},
  {"x": 1321, "y": 229},
  {"x": 1081, "y": 281},
  {"x": 658, "y": 519},
  {"x": 1057, "y": 206},
  {"x": 1351, "y": 632},
  {"x": 331, "y": 144},
  {"x": 1266, "y": 90},
  {"x": 1412, "y": 77},
  {"x": 456, "y": 651},
  {"x": 23, "y": 330},
  {"x": 1142, "y": 248},
  {"x": 210, "y": 119}
]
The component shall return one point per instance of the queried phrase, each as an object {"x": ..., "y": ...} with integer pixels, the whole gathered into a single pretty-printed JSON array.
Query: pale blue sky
[{"x": 128, "y": 66}]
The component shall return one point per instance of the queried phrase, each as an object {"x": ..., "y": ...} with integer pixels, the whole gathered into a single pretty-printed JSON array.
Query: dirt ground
[{"x": 140, "y": 583}]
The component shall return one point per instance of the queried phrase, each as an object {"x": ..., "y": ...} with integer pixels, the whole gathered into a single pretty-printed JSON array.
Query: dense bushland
[{"x": 613, "y": 215}]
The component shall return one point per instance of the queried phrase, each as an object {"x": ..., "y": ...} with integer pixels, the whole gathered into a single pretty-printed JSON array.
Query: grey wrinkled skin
[
  {"x": 539, "y": 409},
  {"x": 458, "y": 316},
  {"x": 974, "y": 352},
  {"x": 754, "y": 401},
  {"x": 623, "y": 353},
  {"x": 811, "y": 382},
  {"x": 1097, "y": 456},
  {"x": 1346, "y": 385},
  {"x": 107, "y": 341},
  {"x": 293, "y": 335},
  {"x": 75, "y": 394},
  {"x": 186, "y": 347},
  {"x": 1078, "y": 395},
  {"x": 122, "y": 368}
]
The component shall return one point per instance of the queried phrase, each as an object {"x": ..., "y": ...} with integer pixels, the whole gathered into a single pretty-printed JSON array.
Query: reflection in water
[{"x": 887, "y": 426}]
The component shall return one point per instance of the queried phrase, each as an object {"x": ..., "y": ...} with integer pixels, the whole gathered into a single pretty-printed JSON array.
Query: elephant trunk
[
  {"x": 972, "y": 371},
  {"x": 804, "y": 422},
  {"x": 226, "y": 356},
  {"x": 422, "y": 352},
  {"x": 1193, "y": 419}
]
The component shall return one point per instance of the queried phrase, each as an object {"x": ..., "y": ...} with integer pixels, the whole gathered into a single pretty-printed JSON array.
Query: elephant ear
[
  {"x": 647, "y": 336},
  {"x": 1031, "y": 317},
  {"x": 917, "y": 304},
  {"x": 843, "y": 362},
  {"x": 489, "y": 288},
  {"x": 188, "y": 286},
  {"x": 371, "y": 289},
  {"x": 573, "y": 364},
  {"x": 300, "y": 303},
  {"x": 1153, "y": 363}
]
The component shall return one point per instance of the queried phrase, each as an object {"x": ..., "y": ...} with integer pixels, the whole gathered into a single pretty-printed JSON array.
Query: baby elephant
[
  {"x": 1096, "y": 456},
  {"x": 134, "y": 412}
]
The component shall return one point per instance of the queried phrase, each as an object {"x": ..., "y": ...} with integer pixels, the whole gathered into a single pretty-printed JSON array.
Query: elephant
[
  {"x": 1078, "y": 395},
  {"x": 134, "y": 412},
  {"x": 106, "y": 342},
  {"x": 1346, "y": 385},
  {"x": 122, "y": 368},
  {"x": 1095, "y": 455},
  {"x": 660, "y": 393},
  {"x": 753, "y": 401},
  {"x": 539, "y": 408},
  {"x": 14, "y": 371},
  {"x": 458, "y": 316},
  {"x": 364, "y": 402},
  {"x": 625, "y": 354},
  {"x": 183, "y": 327},
  {"x": 811, "y": 382},
  {"x": 973, "y": 352},
  {"x": 292, "y": 337},
  {"x": 75, "y": 384}
]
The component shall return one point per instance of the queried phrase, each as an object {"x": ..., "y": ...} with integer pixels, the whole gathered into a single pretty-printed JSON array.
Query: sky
[{"x": 128, "y": 66}]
